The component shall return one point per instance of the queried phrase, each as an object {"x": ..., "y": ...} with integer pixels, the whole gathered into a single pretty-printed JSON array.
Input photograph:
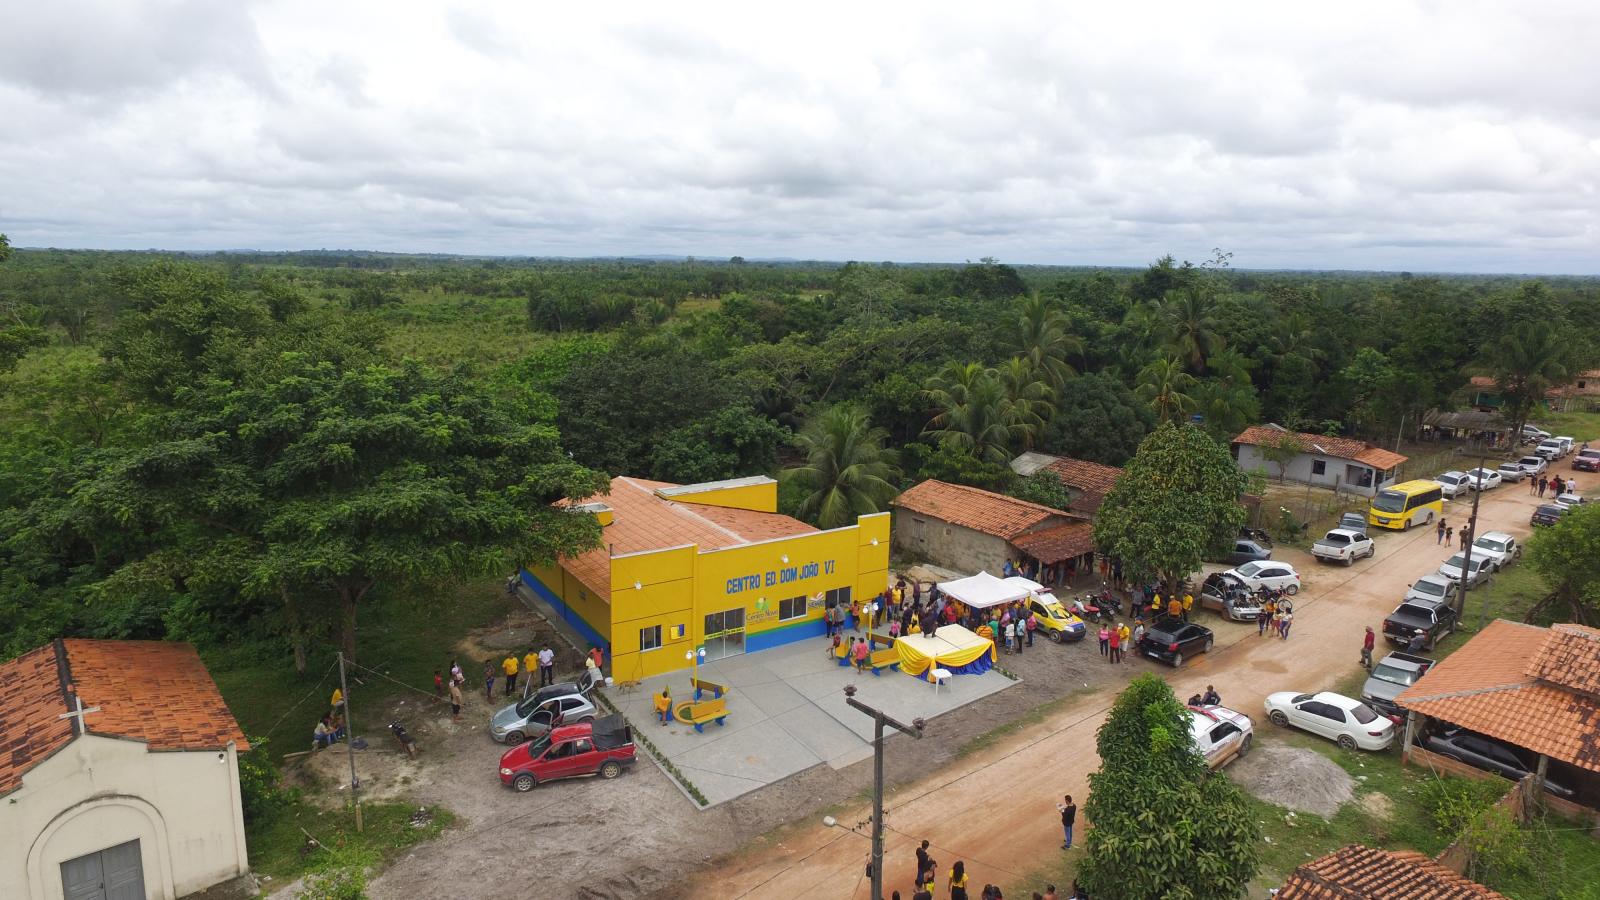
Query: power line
[{"x": 316, "y": 687}]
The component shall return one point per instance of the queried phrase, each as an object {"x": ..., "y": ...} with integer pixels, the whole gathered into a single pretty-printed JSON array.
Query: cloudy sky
[{"x": 1453, "y": 136}]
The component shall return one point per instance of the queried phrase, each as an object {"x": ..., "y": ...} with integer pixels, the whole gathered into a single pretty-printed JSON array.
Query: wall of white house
[
  {"x": 98, "y": 792},
  {"x": 1316, "y": 469}
]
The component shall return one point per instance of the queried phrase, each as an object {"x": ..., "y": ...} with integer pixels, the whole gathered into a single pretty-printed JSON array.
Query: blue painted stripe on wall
[
  {"x": 777, "y": 637},
  {"x": 567, "y": 613}
]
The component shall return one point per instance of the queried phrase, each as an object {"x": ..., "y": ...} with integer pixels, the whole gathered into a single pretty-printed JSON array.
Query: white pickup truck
[{"x": 1344, "y": 545}]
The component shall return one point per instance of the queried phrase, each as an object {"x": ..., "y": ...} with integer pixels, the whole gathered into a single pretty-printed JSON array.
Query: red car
[
  {"x": 1587, "y": 460},
  {"x": 601, "y": 747}
]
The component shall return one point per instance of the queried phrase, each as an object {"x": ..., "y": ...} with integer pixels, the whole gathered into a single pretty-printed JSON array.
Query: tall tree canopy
[
  {"x": 1177, "y": 500},
  {"x": 1163, "y": 825},
  {"x": 847, "y": 472},
  {"x": 1568, "y": 556}
]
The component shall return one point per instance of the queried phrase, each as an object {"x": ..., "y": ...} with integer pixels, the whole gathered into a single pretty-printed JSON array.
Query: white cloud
[{"x": 1422, "y": 135}]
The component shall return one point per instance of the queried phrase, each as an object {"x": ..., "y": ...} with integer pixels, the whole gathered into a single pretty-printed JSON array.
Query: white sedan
[
  {"x": 1484, "y": 479},
  {"x": 1351, "y": 723},
  {"x": 1270, "y": 573},
  {"x": 1478, "y": 571},
  {"x": 1454, "y": 483},
  {"x": 1569, "y": 500}
]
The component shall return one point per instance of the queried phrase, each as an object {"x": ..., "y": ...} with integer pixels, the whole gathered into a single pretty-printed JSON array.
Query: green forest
[{"x": 255, "y": 449}]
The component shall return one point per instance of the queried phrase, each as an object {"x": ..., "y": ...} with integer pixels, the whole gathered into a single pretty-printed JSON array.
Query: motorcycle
[{"x": 406, "y": 743}]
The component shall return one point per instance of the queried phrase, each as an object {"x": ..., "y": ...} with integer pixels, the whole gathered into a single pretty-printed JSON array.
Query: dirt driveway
[{"x": 995, "y": 808}]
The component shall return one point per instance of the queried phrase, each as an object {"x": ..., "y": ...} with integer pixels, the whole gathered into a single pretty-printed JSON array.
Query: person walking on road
[
  {"x": 1440, "y": 529},
  {"x": 1116, "y": 645},
  {"x": 1263, "y": 616},
  {"x": 958, "y": 881},
  {"x": 488, "y": 680},
  {"x": 1069, "y": 816},
  {"x": 1105, "y": 640},
  {"x": 1367, "y": 643},
  {"x": 1285, "y": 619},
  {"x": 1450, "y": 534},
  {"x": 455, "y": 700},
  {"x": 1544, "y": 482}
]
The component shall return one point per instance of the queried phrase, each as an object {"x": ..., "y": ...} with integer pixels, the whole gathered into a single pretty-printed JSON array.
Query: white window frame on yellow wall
[{"x": 653, "y": 630}]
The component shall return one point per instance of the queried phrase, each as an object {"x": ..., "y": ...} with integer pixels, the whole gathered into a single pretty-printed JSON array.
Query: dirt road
[{"x": 995, "y": 809}]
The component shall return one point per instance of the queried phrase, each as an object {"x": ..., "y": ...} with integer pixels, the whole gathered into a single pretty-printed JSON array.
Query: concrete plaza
[{"x": 786, "y": 713}]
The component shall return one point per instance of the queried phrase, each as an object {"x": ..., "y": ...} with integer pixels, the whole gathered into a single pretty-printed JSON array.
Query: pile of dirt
[{"x": 1293, "y": 777}]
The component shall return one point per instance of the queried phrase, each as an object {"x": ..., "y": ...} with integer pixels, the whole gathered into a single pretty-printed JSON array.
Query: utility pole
[
  {"x": 350, "y": 742},
  {"x": 878, "y": 721},
  {"x": 1472, "y": 535}
]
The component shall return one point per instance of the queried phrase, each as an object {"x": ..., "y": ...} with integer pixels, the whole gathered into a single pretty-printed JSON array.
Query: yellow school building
[{"x": 706, "y": 569}]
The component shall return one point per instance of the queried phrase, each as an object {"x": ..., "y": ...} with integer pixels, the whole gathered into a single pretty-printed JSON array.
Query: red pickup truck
[{"x": 599, "y": 747}]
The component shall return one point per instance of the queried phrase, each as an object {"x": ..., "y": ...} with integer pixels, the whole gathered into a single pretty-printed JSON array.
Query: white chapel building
[{"x": 136, "y": 796}]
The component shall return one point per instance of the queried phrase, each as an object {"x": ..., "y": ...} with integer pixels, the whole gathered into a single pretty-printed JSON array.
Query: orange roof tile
[
  {"x": 1338, "y": 447},
  {"x": 1052, "y": 545},
  {"x": 1362, "y": 873},
  {"x": 1093, "y": 479},
  {"x": 155, "y": 692},
  {"x": 643, "y": 520},
  {"x": 31, "y": 700},
  {"x": 970, "y": 507},
  {"x": 1570, "y": 658},
  {"x": 1486, "y": 686}
]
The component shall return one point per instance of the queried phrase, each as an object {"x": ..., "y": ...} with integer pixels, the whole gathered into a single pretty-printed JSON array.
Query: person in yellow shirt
[
  {"x": 1124, "y": 632},
  {"x": 663, "y": 702},
  {"x": 337, "y": 702},
  {"x": 1175, "y": 608},
  {"x": 1188, "y": 603},
  {"x": 510, "y": 668},
  {"x": 530, "y": 662}
]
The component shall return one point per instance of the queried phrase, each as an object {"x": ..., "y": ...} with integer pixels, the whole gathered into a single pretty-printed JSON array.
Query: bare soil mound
[{"x": 1295, "y": 778}]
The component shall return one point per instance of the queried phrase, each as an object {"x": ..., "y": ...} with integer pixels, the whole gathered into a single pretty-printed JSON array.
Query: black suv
[
  {"x": 1170, "y": 640},
  {"x": 1487, "y": 753},
  {"x": 1547, "y": 515},
  {"x": 1434, "y": 618}
]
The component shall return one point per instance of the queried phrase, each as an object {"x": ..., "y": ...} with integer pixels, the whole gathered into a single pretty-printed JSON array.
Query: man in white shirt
[{"x": 547, "y": 666}]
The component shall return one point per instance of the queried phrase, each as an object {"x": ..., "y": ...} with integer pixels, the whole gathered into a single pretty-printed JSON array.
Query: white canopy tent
[{"x": 983, "y": 590}]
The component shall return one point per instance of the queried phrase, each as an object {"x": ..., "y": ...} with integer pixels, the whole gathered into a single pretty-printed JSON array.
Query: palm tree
[
  {"x": 1028, "y": 399},
  {"x": 1165, "y": 385},
  {"x": 1189, "y": 319},
  {"x": 1045, "y": 340},
  {"x": 974, "y": 414},
  {"x": 847, "y": 472},
  {"x": 1526, "y": 360},
  {"x": 1294, "y": 336}
]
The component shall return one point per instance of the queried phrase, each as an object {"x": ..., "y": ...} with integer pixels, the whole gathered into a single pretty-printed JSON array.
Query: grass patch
[
  {"x": 1032, "y": 717},
  {"x": 1585, "y": 426},
  {"x": 404, "y": 637},
  {"x": 1564, "y": 854},
  {"x": 278, "y": 848}
]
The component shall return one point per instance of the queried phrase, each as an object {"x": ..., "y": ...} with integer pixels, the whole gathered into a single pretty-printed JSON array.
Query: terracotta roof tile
[
  {"x": 980, "y": 510},
  {"x": 643, "y": 520},
  {"x": 151, "y": 691},
  {"x": 1093, "y": 479},
  {"x": 31, "y": 700},
  {"x": 1052, "y": 545},
  {"x": 1486, "y": 686},
  {"x": 1362, "y": 873},
  {"x": 1570, "y": 658},
  {"x": 1338, "y": 447}
]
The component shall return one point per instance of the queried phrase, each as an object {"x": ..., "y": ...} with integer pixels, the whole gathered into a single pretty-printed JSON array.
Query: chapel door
[{"x": 116, "y": 873}]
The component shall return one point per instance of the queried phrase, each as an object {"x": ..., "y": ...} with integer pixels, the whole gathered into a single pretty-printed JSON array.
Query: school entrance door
[
  {"x": 116, "y": 873},
  {"x": 724, "y": 634}
]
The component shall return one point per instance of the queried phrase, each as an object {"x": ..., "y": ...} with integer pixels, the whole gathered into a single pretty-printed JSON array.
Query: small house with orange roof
[
  {"x": 692, "y": 573},
  {"x": 1342, "y": 464},
  {"x": 119, "y": 773},
  {"x": 1531, "y": 688},
  {"x": 970, "y": 529}
]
